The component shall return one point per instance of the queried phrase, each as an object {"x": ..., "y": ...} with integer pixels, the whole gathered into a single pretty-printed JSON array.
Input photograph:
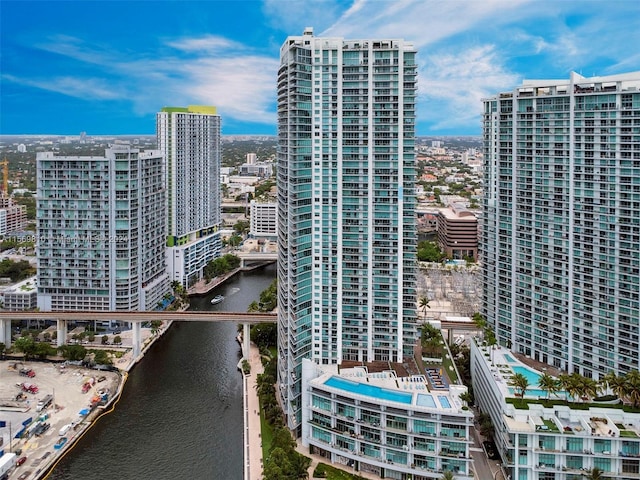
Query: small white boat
[{"x": 217, "y": 299}]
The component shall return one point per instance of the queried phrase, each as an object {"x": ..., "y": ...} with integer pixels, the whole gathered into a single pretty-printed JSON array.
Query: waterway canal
[{"x": 180, "y": 415}]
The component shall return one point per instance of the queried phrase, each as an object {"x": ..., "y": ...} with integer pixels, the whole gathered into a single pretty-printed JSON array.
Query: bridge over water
[{"x": 135, "y": 318}]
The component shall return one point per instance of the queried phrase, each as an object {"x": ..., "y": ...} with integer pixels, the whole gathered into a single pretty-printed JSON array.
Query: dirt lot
[{"x": 65, "y": 384}]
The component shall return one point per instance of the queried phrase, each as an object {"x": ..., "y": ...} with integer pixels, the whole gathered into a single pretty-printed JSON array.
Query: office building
[
  {"x": 346, "y": 206},
  {"x": 189, "y": 137},
  {"x": 263, "y": 220},
  {"x": 458, "y": 232},
  {"x": 101, "y": 225},
  {"x": 561, "y": 224}
]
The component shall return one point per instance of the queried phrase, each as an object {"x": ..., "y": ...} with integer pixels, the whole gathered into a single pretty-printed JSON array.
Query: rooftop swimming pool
[
  {"x": 509, "y": 358},
  {"x": 532, "y": 377},
  {"x": 369, "y": 390},
  {"x": 426, "y": 401},
  {"x": 444, "y": 401}
]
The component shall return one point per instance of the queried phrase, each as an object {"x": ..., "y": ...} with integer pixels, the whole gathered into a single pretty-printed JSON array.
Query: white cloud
[
  {"x": 206, "y": 44},
  {"x": 217, "y": 71},
  {"x": 452, "y": 85},
  {"x": 85, "y": 88}
]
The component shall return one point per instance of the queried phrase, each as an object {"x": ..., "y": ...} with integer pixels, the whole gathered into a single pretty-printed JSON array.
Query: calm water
[{"x": 180, "y": 415}]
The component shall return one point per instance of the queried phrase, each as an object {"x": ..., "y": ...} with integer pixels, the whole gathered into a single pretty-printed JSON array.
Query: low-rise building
[
  {"x": 264, "y": 219},
  {"x": 542, "y": 436},
  {"x": 382, "y": 419},
  {"x": 21, "y": 296}
]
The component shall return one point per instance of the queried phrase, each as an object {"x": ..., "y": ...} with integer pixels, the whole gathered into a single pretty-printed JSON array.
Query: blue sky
[{"x": 106, "y": 67}]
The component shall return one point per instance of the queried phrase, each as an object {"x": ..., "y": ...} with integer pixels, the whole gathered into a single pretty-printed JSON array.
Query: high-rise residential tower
[
  {"x": 346, "y": 205},
  {"x": 189, "y": 137},
  {"x": 101, "y": 231},
  {"x": 561, "y": 227}
]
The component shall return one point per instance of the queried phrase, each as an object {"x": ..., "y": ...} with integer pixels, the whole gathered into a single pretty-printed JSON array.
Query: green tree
[
  {"x": 155, "y": 326},
  {"x": 105, "y": 339},
  {"x": 448, "y": 475},
  {"x": 102, "y": 357},
  {"x": 241, "y": 227},
  {"x": 16, "y": 270},
  {"x": 43, "y": 350},
  {"x": 234, "y": 240},
  {"x": 549, "y": 384},
  {"x": 264, "y": 334},
  {"x": 424, "y": 304},
  {"x": 73, "y": 352},
  {"x": 632, "y": 387},
  {"x": 429, "y": 252},
  {"x": 594, "y": 474},
  {"x": 616, "y": 384},
  {"x": 520, "y": 383},
  {"x": 26, "y": 345},
  {"x": 117, "y": 340}
]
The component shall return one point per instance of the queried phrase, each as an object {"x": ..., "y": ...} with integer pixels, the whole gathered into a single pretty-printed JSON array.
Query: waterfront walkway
[{"x": 253, "y": 447}]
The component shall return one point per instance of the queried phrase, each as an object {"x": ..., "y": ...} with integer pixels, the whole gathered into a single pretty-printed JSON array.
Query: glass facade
[
  {"x": 562, "y": 221},
  {"x": 346, "y": 204}
]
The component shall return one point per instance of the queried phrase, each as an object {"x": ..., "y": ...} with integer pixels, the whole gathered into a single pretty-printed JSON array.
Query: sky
[{"x": 106, "y": 67}]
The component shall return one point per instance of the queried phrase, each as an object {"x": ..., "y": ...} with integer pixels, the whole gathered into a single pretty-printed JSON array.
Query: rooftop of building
[
  {"x": 539, "y": 411},
  {"x": 27, "y": 285}
]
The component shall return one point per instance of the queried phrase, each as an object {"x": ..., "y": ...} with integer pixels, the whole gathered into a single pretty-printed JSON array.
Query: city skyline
[{"x": 63, "y": 72}]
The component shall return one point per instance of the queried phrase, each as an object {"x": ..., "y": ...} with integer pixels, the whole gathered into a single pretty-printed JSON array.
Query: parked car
[
  {"x": 27, "y": 372},
  {"x": 20, "y": 461},
  {"x": 101, "y": 378}
]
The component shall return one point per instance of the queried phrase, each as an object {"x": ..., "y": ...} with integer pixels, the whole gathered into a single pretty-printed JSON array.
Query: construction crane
[{"x": 5, "y": 176}]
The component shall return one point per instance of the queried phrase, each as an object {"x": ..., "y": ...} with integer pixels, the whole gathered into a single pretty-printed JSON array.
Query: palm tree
[
  {"x": 632, "y": 387},
  {"x": 549, "y": 384},
  {"x": 448, "y": 475},
  {"x": 424, "y": 304},
  {"x": 589, "y": 388},
  {"x": 571, "y": 384},
  {"x": 594, "y": 474},
  {"x": 520, "y": 383},
  {"x": 617, "y": 384}
]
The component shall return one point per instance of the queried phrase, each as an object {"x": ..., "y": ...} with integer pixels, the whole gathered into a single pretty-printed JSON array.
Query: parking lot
[{"x": 19, "y": 409}]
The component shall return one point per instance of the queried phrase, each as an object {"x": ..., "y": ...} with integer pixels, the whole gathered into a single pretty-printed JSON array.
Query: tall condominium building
[
  {"x": 346, "y": 205},
  {"x": 561, "y": 226},
  {"x": 189, "y": 137},
  {"x": 101, "y": 231}
]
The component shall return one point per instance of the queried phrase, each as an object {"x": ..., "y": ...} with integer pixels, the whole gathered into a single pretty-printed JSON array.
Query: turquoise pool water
[
  {"x": 426, "y": 401},
  {"x": 444, "y": 401},
  {"x": 509, "y": 358},
  {"x": 531, "y": 376},
  {"x": 369, "y": 390}
]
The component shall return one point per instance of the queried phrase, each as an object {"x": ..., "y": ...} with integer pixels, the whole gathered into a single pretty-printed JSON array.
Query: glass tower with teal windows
[
  {"x": 560, "y": 255},
  {"x": 346, "y": 205}
]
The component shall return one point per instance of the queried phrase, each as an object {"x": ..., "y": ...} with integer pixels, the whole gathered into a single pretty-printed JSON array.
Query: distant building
[
  {"x": 190, "y": 139},
  {"x": 13, "y": 217},
  {"x": 260, "y": 169},
  {"x": 22, "y": 148},
  {"x": 264, "y": 219},
  {"x": 101, "y": 231},
  {"x": 458, "y": 232}
]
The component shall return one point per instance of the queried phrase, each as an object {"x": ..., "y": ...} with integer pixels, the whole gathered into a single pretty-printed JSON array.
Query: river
[{"x": 180, "y": 415}]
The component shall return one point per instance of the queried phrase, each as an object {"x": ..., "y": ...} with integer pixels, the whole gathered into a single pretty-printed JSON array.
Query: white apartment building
[
  {"x": 190, "y": 139},
  {"x": 101, "y": 228},
  {"x": 385, "y": 423},
  {"x": 346, "y": 205},
  {"x": 21, "y": 296},
  {"x": 561, "y": 223},
  {"x": 558, "y": 441},
  {"x": 263, "y": 220}
]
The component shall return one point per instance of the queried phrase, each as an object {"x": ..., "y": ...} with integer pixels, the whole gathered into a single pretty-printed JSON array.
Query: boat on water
[{"x": 217, "y": 299}]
